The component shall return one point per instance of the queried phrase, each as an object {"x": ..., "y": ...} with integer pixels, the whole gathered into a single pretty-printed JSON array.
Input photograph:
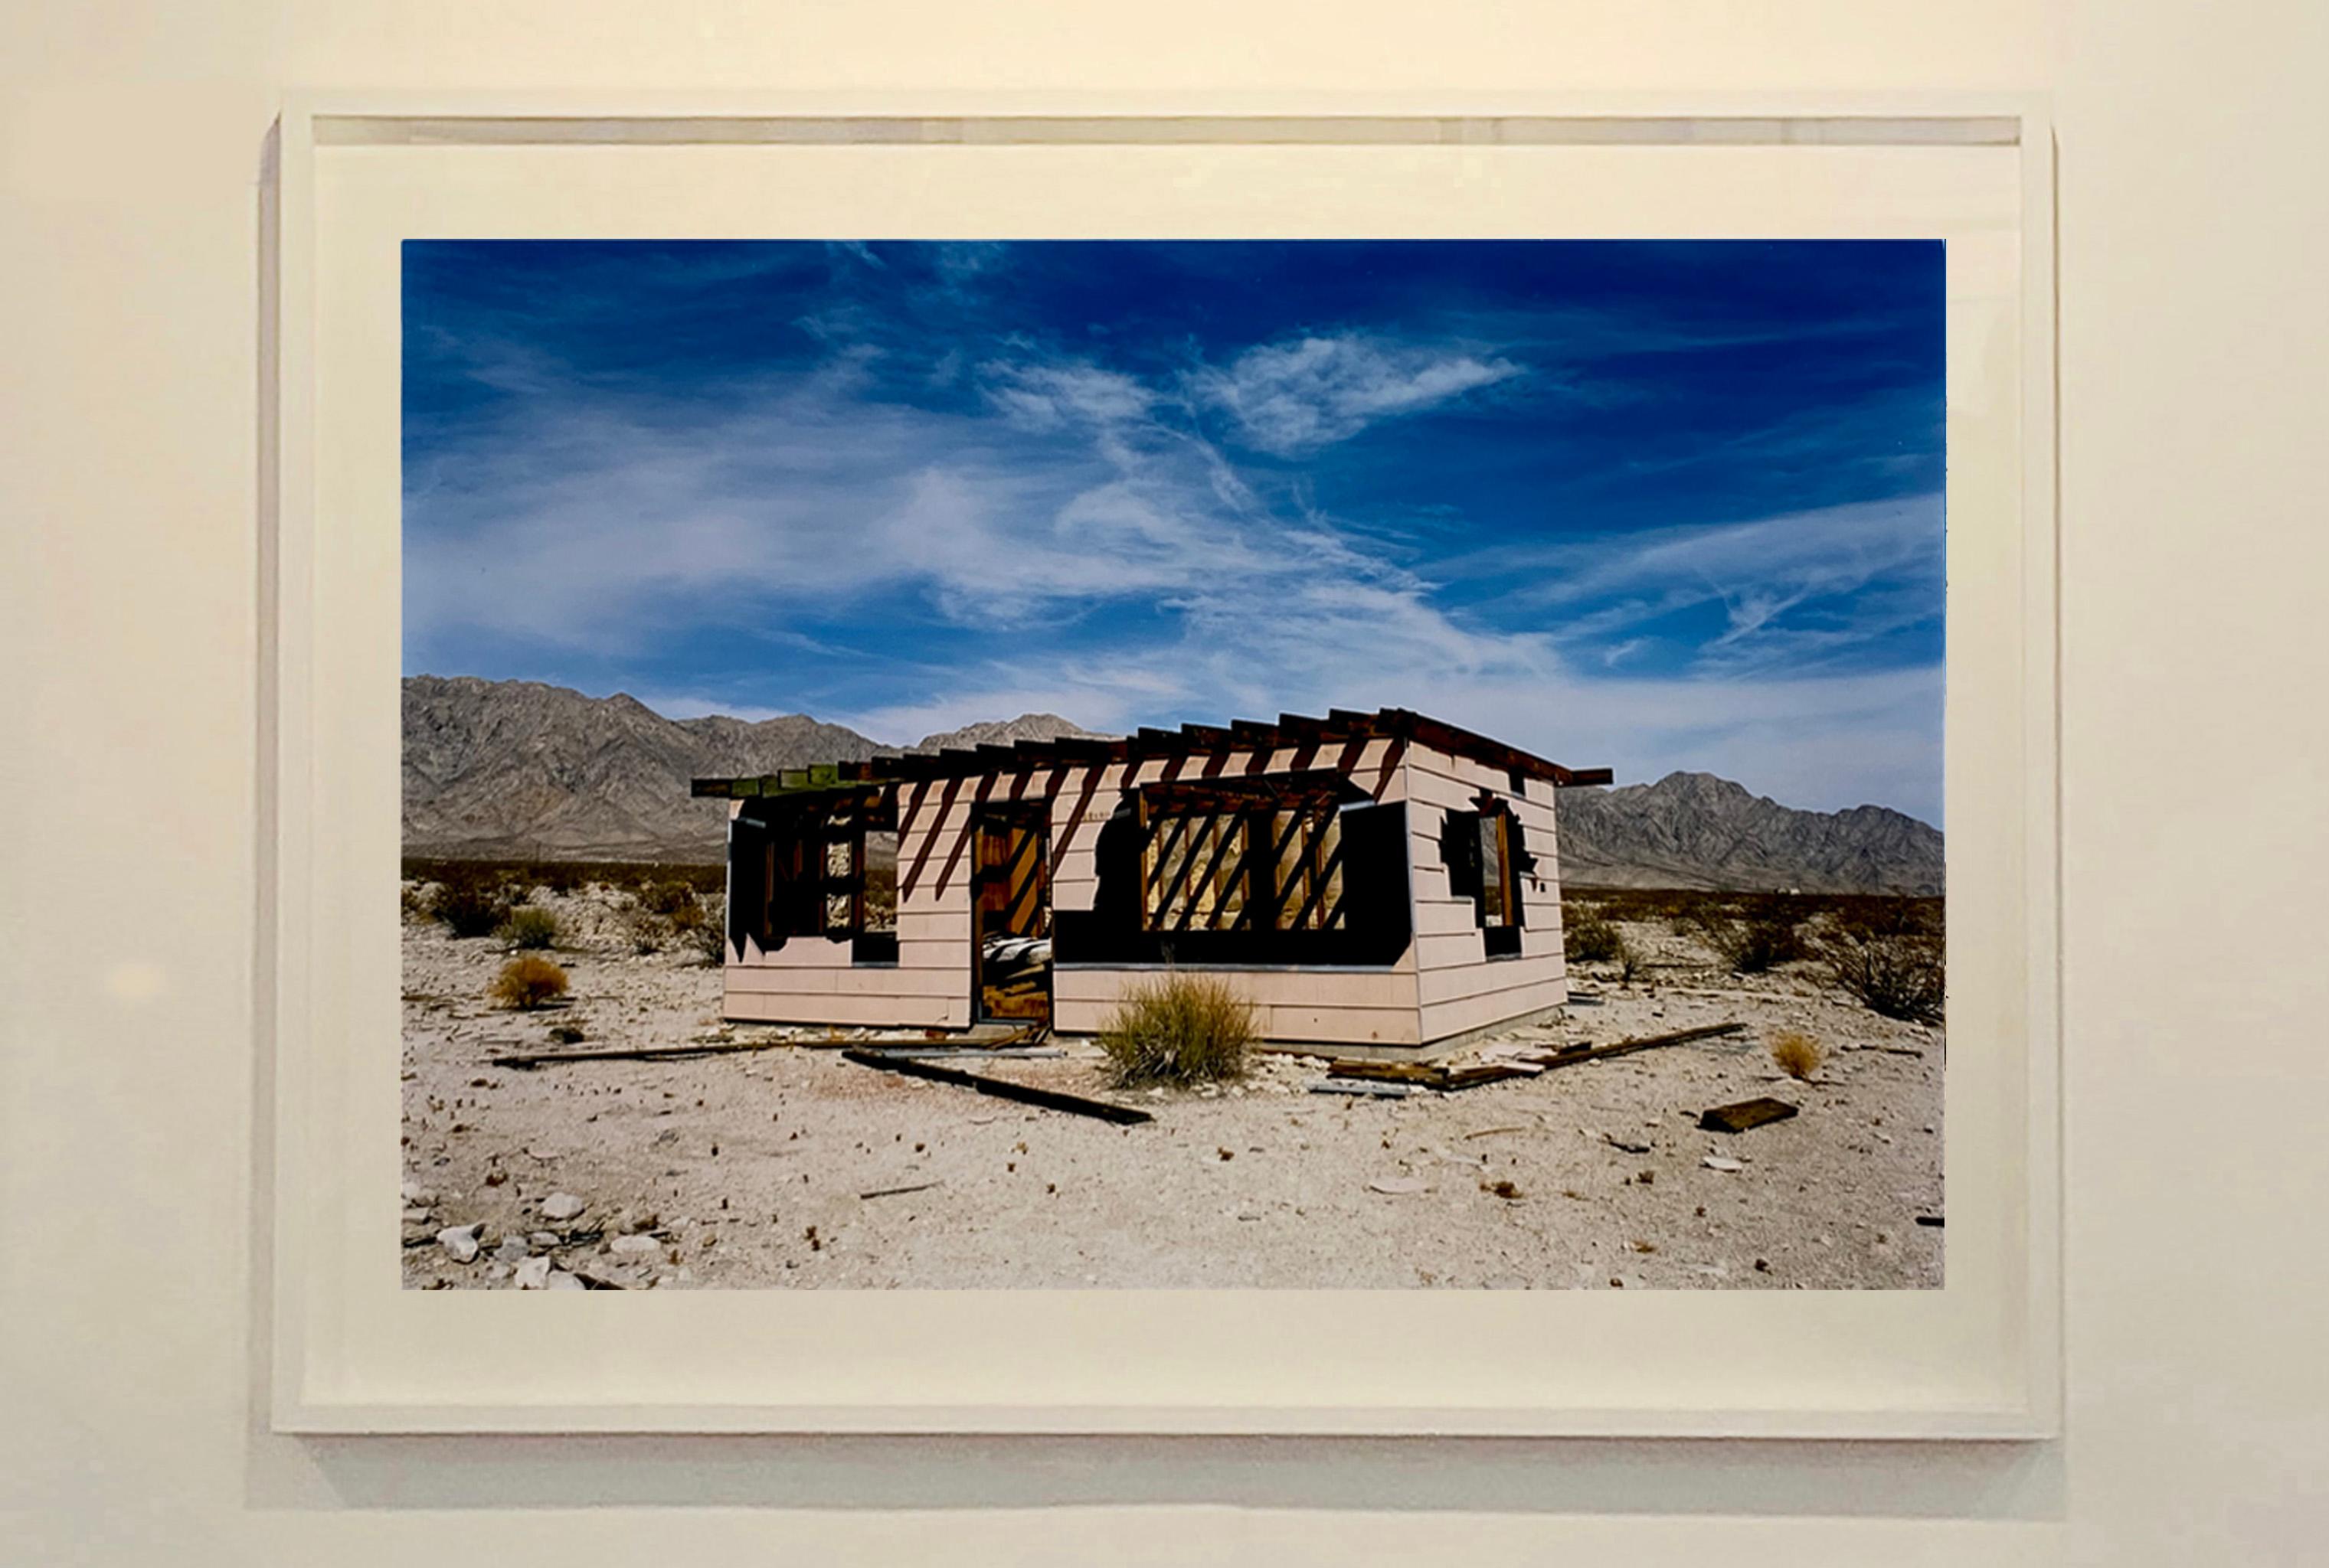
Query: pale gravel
[{"x": 752, "y": 1165}]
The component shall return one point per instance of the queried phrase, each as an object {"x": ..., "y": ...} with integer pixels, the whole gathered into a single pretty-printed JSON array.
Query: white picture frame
[{"x": 354, "y": 1353}]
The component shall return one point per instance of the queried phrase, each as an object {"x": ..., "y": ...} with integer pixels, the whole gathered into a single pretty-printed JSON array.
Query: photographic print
[{"x": 1131, "y": 764}]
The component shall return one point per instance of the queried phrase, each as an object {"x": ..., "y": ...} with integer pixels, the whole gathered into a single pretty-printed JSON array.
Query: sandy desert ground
[{"x": 754, "y": 1168}]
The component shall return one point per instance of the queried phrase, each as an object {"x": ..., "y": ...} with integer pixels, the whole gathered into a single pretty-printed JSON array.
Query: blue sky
[{"x": 1655, "y": 505}]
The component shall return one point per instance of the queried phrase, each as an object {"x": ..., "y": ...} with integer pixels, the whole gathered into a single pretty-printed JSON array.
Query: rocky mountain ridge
[
  {"x": 1694, "y": 830},
  {"x": 516, "y": 769}
]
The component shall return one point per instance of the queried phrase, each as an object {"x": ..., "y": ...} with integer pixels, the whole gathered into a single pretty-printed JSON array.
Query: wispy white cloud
[
  {"x": 1791, "y": 590},
  {"x": 1292, "y": 398},
  {"x": 1039, "y": 396},
  {"x": 1131, "y": 573}
]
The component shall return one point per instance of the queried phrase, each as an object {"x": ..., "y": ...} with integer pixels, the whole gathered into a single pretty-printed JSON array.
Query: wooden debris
[
  {"x": 1457, "y": 1078},
  {"x": 992, "y": 1053},
  {"x": 1002, "y": 1089},
  {"x": 1491, "y": 1131},
  {"x": 1362, "y": 1086},
  {"x": 1386, "y": 1071},
  {"x": 1744, "y": 1114},
  {"x": 1431, "y": 1075},
  {"x": 715, "y": 1048},
  {"x": 899, "y": 1191},
  {"x": 1571, "y": 1058}
]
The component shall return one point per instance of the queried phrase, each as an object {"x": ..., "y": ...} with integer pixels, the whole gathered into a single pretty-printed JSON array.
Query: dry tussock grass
[
  {"x": 1179, "y": 1028},
  {"x": 1798, "y": 1055},
  {"x": 527, "y": 982}
]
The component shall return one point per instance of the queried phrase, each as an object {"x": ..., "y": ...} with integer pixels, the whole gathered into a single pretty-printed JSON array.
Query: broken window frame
[
  {"x": 815, "y": 858},
  {"x": 1486, "y": 852},
  {"x": 1215, "y": 855}
]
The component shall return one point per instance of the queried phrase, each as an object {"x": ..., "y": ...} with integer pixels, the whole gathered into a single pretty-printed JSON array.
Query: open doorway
[{"x": 1011, "y": 912}]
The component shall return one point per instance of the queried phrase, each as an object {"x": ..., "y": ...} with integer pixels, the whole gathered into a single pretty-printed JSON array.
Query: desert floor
[{"x": 753, "y": 1168}]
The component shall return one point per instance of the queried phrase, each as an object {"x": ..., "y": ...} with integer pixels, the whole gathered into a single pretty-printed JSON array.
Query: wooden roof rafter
[{"x": 1339, "y": 726}]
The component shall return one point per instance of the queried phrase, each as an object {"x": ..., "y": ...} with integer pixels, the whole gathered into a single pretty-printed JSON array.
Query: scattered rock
[
  {"x": 542, "y": 1238},
  {"x": 634, "y": 1246},
  {"x": 460, "y": 1241},
  {"x": 512, "y": 1250},
  {"x": 560, "y": 1280},
  {"x": 533, "y": 1274},
  {"x": 1722, "y": 1162},
  {"x": 418, "y": 1196},
  {"x": 561, "y": 1207},
  {"x": 1399, "y": 1185},
  {"x": 416, "y": 1216}
]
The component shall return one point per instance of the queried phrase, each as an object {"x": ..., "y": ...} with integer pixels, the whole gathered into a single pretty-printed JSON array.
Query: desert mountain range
[{"x": 518, "y": 769}]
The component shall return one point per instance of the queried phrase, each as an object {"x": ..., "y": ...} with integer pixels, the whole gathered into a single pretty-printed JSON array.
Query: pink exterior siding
[
  {"x": 1459, "y": 988},
  {"x": 1442, "y": 985}
]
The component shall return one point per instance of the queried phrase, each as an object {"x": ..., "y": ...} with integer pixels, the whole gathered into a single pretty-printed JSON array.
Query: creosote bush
[
  {"x": 1178, "y": 1028},
  {"x": 470, "y": 906},
  {"x": 645, "y": 930},
  {"x": 530, "y": 928},
  {"x": 1588, "y": 936},
  {"x": 707, "y": 935},
  {"x": 527, "y": 982},
  {"x": 1761, "y": 942},
  {"x": 1798, "y": 1055},
  {"x": 667, "y": 897},
  {"x": 1901, "y": 975}
]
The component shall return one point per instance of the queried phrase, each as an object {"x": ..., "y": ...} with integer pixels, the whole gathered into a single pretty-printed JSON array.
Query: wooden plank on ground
[
  {"x": 1647, "y": 1042},
  {"x": 1386, "y": 1072},
  {"x": 1473, "y": 1077},
  {"x": 1744, "y": 1114},
  {"x": 530, "y": 1059},
  {"x": 1358, "y": 1087},
  {"x": 1001, "y": 1088}
]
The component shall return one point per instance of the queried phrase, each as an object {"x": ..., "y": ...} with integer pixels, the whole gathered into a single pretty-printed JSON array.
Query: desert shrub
[
  {"x": 1588, "y": 936},
  {"x": 527, "y": 982},
  {"x": 530, "y": 928},
  {"x": 1900, "y": 976},
  {"x": 561, "y": 875},
  {"x": 707, "y": 937},
  {"x": 666, "y": 896},
  {"x": 412, "y": 902},
  {"x": 1629, "y": 962},
  {"x": 1798, "y": 1055},
  {"x": 644, "y": 931},
  {"x": 1760, "y": 941},
  {"x": 1178, "y": 1028},
  {"x": 569, "y": 876},
  {"x": 470, "y": 906}
]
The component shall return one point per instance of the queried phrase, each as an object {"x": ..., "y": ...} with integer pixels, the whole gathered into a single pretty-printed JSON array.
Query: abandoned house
[{"x": 1380, "y": 883}]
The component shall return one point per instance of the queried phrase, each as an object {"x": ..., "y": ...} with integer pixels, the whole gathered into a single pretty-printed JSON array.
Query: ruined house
[{"x": 1374, "y": 883}]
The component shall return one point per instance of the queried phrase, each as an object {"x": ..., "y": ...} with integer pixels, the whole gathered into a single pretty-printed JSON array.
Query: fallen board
[
  {"x": 526, "y": 1060},
  {"x": 1387, "y": 1071},
  {"x": 1002, "y": 1089},
  {"x": 1473, "y": 1077},
  {"x": 1360, "y": 1086},
  {"x": 1647, "y": 1042},
  {"x": 1744, "y": 1114},
  {"x": 989, "y": 1053}
]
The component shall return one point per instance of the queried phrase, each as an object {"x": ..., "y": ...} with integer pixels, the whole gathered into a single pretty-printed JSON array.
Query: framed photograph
[{"x": 1182, "y": 767}]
